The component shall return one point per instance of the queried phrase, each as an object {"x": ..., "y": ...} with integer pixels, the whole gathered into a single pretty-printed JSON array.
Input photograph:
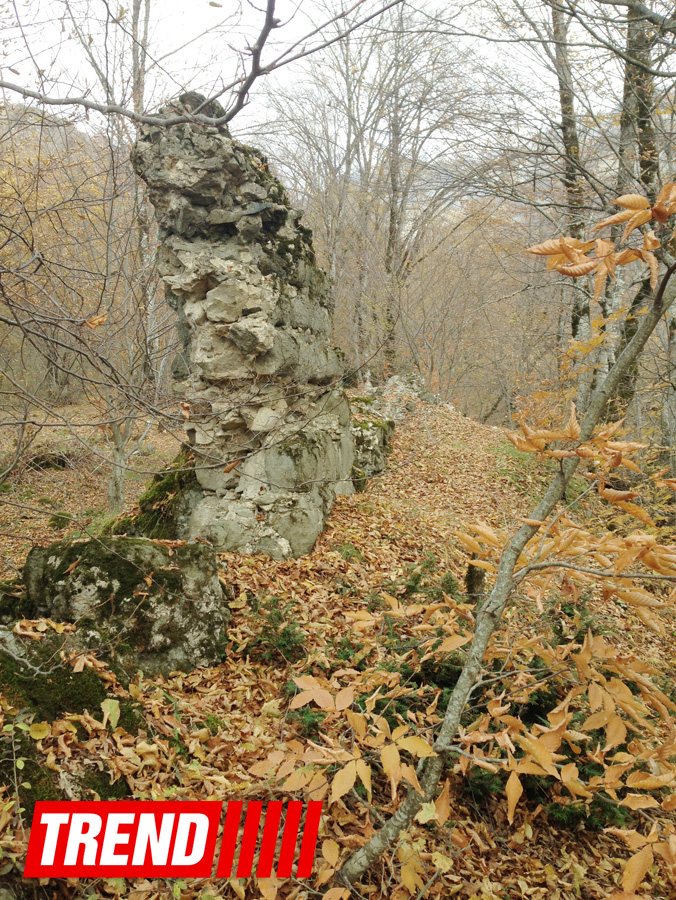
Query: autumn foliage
[
  {"x": 341, "y": 695},
  {"x": 569, "y": 256}
]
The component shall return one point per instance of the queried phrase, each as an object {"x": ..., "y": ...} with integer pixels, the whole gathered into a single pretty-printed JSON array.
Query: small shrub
[
  {"x": 278, "y": 637},
  {"x": 307, "y": 720},
  {"x": 449, "y": 584},
  {"x": 481, "y": 785},
  {"x": 601, "y": 813}
]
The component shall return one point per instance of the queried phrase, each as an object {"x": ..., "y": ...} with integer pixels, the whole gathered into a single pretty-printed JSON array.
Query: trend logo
[{"x": 170, "y": 839}]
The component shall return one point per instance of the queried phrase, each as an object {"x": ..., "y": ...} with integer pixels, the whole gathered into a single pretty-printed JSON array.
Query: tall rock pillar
[{"x": 269, "y": 422}]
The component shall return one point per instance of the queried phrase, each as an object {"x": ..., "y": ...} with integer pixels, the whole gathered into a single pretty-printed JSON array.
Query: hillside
[{"x": 351, "y": 616}]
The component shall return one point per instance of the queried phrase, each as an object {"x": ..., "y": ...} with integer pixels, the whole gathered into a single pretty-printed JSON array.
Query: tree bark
[{"x": 639, "y": 98}]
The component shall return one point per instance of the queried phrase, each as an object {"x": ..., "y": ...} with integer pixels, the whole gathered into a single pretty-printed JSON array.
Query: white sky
[{"x": 195, "y": 44}]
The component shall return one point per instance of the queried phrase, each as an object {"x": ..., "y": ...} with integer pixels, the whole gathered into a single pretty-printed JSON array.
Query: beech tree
[{"x": 535, "y": 547}]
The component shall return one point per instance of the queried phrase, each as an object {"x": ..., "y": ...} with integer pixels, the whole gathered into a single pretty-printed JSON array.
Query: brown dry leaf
[
  {"x": 269, "y": 887},
  {"x": 650, "y": 240},
  {"x": 443, "y": 804},
  {"x": 389, "y": 756},
  {"x": 513, "y": 789},
  {"x": 449, "y": 644},
  {"x": 636, "y": 221},
  {"x": 343, "y": 781},
  {"x": 364, "y": 773},
  {"x": 344, "y": 698},
  {"x": 665, "y": 205},
  {"x": 627, "y": 256},
  {"x": 408, "y": 773},
  {"x": 357, "y": 721},
  {"x": 613, "y": 495},
  {"x": 538, "y": 751},
  {"x": 636, "y": 511},
  {"x": 483, "y": 564},
  {"x": 645, "y": 782},
  {"x": 600, "y": 280},
  {"x": 416, "y": 745},
  {"x": 616, "y": 732},
  {"x": 410, "y": 878},
  {"x": 639, "y": 801},
  {"x": 576, "y": 270},
  {"x": 632, "y": 201},
  {"x": 95, "y": 321},
  {"x": 573, "y": 426},
  {"x": 622, "y": 895},
  {"x": 654, "y": 267},
  {"x": 331, "y": 852},
  {"x": 615, "y": 219},
  {"x": 652, "y": 621},
  {"x": 636, "y": 869},
  {"x": 553, "y": 245},
  {"x": 321, "y": 697}
]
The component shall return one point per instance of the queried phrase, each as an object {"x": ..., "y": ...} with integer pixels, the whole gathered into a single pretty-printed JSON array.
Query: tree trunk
[
  {"x": 392, "y": 251},
  {"x": 573, "y": 182},
  {"x": 116, "y": 482},
  {"x": 639, "y": 99}
]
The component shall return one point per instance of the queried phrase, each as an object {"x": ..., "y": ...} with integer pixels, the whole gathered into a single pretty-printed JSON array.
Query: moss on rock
[
  {"x": 163, "y": 504},
  {"x": 142, "y": 604},
  {"x": 56, "y": 692},
  {"x": 43, "y": 689},
  {"x": 372, "y": 437},
  {"x": 42, "y": 783},
  {"x": 11, "y": 596},
  {"x": 99, "y": 783}
]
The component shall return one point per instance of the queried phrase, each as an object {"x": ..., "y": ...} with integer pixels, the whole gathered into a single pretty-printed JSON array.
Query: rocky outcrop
[
  {"x": 372, "y": 435},
  {"x": 268, "y": 420},
  {"x": 395, "y": 399},
  {"x": 374, "y": 420},
  {"x": 139, "y": 603}
]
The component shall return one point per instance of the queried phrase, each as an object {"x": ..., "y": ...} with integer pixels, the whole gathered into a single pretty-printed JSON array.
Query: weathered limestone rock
[
  {"x": 258, "y": 370},
  {"x": 375, "y": 420},
  {"x": 144, "y": 606},
  {"x": 372, "y": 436},
  {"x": 397, "y": 397}
]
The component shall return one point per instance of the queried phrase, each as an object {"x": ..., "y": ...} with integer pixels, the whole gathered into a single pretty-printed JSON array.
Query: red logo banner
[{"x": 169, "y": 839}]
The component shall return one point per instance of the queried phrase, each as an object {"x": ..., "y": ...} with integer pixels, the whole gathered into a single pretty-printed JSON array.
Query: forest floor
[{"x": 212, "y": 733}]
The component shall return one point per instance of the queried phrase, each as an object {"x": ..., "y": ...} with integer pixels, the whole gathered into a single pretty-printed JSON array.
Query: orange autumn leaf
[
  {"x": 513, "y": 789},
  {"x": 636, "y": 869}
]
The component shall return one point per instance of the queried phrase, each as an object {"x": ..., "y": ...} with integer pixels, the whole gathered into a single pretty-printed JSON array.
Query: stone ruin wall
[{"x": 258, "y": 372}]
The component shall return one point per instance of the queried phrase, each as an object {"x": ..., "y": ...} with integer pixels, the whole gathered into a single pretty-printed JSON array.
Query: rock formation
[
  {"x": 139, "y": 603},
  {"x": 374, "y": 420},
  {"x": 269, "y": 423}
]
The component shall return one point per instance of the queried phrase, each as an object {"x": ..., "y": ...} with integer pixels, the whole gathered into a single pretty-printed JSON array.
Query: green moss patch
[
  {"x": 43, "y": 696},
  {"x": 159, "y": 505}
]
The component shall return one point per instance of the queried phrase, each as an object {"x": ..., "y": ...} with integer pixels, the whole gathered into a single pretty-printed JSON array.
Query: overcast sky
[{"x": 194, "y": 44}]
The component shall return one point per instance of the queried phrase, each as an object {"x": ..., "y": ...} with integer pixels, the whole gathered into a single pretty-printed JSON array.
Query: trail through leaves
[{"x": 379, "y": 600}]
